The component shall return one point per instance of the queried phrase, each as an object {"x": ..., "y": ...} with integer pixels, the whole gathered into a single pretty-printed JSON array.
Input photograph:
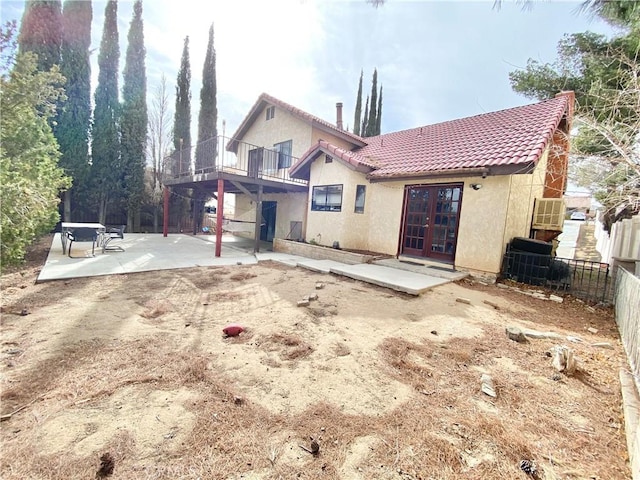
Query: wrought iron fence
[
  {"x": 247, "y": 160},
  {"x": 583, "y": 279}
]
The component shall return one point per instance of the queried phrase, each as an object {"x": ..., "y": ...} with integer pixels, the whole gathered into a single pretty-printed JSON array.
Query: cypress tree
[
  {"x": 363, "y": 130},
  {"x": 357, "y": 119},
  {"x": 372, "y": 119},
  {"x": 208, "y": 115},
  {"x": 379, "y": 116},
  {"x": 182, "y": 116},
  {"x": 105, "y": 147},
  {"x": 41, "y": 32},
  {"x": 74, "y": 117},
  {"x": 134, "y": 119}
]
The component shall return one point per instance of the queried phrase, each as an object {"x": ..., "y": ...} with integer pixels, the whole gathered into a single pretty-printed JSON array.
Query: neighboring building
[{"x": 456, "y": 192}]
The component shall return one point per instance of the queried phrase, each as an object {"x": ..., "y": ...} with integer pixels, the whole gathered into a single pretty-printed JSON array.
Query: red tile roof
[
  {"x": 513, "y": 137},
  {"x": 265, "y": 99}
]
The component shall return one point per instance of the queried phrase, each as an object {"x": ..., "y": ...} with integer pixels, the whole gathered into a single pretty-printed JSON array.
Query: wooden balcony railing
[{"x": 250, "y": 160}]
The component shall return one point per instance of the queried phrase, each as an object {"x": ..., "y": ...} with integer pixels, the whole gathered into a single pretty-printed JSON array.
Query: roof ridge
[
  {"x": 471, "y": 117},
  {"x": 310, "y": 116}
]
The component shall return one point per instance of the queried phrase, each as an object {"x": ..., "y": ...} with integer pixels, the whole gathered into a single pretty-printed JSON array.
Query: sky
[{"x": 436, "y": 60}]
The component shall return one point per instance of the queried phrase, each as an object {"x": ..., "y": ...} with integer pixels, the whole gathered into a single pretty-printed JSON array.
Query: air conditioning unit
[{"x": 548, "y": 214}]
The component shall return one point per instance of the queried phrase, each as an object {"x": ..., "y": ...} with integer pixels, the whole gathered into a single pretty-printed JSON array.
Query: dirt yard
[{"x": 131, "y": 377}]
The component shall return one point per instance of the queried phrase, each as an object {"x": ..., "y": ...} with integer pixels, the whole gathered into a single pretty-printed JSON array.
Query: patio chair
[
  {"x": 114, "y": 234},
  {"x": 83, "y": 234}
]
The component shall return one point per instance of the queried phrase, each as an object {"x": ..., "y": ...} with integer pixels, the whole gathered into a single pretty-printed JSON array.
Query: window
[
  {"x": 271, "y": 112},
  {"x": 327, "y": 198},
  {"x": 360, "y": 191},
  {"x": 283, "y": 150}
]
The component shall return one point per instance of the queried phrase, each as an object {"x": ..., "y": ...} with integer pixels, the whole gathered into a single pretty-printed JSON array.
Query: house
[{"x": 454, "y": 193}]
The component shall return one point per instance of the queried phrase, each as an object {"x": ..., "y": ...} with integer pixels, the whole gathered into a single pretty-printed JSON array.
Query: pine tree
[
  {"x": 363, "y": 129},
  {"x": 134, "y": 119},
  {"x": 379, "y": 116},
  {"x": 372, "y": 118},
  {"x": 357, "y": 119},
  {"x": 208, "y": 116},
  {"x": 105, "y": 146},
  {"x": 182, "y": 115},
  {"x": 74, "y": 117},
  {"x": 41, "y": 32}
]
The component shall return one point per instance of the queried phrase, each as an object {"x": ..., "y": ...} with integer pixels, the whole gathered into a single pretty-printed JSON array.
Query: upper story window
[
  {"x": 271, "y": 112},
  {"x": 327, "y": 198},
  {"x": 360, "y": 193},
  {"x": 283, "y": 150}
]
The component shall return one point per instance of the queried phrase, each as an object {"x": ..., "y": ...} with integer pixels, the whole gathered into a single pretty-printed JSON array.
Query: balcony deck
[{"x": 201, "y": 167}]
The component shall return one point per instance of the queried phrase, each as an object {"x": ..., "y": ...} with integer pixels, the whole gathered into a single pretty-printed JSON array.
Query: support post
[
  {"x": 219, "y": 216},
  {"x": 256, "y": 245},
  {"x": 165, "y": 212}
]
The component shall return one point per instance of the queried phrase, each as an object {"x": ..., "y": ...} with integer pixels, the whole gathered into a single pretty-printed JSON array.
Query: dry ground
[{"x": 134, "y": 369}]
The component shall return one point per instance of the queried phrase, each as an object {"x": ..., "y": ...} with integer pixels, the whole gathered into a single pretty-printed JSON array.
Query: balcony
[{"x": 208, "y": 161}]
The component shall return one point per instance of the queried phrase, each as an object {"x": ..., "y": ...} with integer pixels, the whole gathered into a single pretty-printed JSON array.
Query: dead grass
[
  {"x": 448, "y": 429},
  {"x": 155, "y": 308},
  {"x": 294, "y": 346},
  {"x": 241, "y": 276}
]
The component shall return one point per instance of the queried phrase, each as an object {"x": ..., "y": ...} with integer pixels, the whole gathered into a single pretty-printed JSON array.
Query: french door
[{"x": 430, "y": 223}]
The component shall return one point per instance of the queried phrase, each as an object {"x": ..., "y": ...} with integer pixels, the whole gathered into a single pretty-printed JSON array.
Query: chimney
[{"x": 339, "y": 116}]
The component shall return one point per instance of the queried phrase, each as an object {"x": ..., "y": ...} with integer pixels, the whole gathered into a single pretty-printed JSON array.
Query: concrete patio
[{"x": 148, "y": 252}]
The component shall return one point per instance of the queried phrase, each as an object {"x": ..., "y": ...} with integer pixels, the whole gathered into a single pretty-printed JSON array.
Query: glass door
[{"x": 431, "y": 221}]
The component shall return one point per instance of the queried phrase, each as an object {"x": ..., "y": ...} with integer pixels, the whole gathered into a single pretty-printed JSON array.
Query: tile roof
[
  {"x": 515, "y": 136},
  {"x": 266, "y": 99},
  {"x": 356, "y": 160}
]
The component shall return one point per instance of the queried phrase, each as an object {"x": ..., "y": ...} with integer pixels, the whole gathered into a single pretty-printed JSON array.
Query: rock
[
  {"x": 434, "y": 332},
  {"x": 564, "y": 360},
  {"x": 515, "y": 334},
  {"x": 303, "y": 303},
  {"x": 463, "y": 300},
  {"x": 502, "y": 285},
  {"x": 592, "y": 330},
  {"x": 238, "y": 400},
  {"x": 487, "y": 385},
  {"x": 319, "y": 285},
  {"x": 606, "y": 345},
  {"x": 540, "y": 296},
  {"x": 536, "y": 334},
  {"x": 556, "y": 298},
  {"x": 574, "y": 339},
  {"x": 491, "y": 304},
  {"x": 312, "y": 296},
  {"x": 24, "y": 312}
]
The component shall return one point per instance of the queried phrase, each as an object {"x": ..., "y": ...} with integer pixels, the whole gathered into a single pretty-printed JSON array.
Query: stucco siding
[
  {"x": 317, "y": 134},
  {"x": 282, "y": 127},
  {"x": 350, "y": 229},
  {"x": 290, "y": 207},
  {"x": 524, "y": 190}
]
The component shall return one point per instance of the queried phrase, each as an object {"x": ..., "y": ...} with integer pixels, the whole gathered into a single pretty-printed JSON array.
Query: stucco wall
[
  {"x": 489, "y": 217},
  {"x": 282, "y": 127},
  {"x": 524, "y": 190},
  {"x": 349, "y": 228},
  {"x": 290, "y": 207}
]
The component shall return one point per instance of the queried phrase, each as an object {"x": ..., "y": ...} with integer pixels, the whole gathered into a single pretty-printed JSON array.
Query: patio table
[{"x": 69, "y": 226}]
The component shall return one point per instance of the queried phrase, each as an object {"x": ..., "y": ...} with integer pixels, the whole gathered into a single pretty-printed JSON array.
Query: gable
[{"x": 264, "y": 101}]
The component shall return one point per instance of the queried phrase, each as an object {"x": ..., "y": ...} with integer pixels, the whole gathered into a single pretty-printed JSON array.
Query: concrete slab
[
  {"x": 321, "y": 266},
  {"x": 142, "y": 253},
  {"x": 284, "y": 258},
  {"x": 396, "y": 279},
  {"x": 431, "y": 270}
]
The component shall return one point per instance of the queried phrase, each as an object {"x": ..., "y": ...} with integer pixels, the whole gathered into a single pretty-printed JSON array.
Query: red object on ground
[{"x": 233, "y": 330}]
